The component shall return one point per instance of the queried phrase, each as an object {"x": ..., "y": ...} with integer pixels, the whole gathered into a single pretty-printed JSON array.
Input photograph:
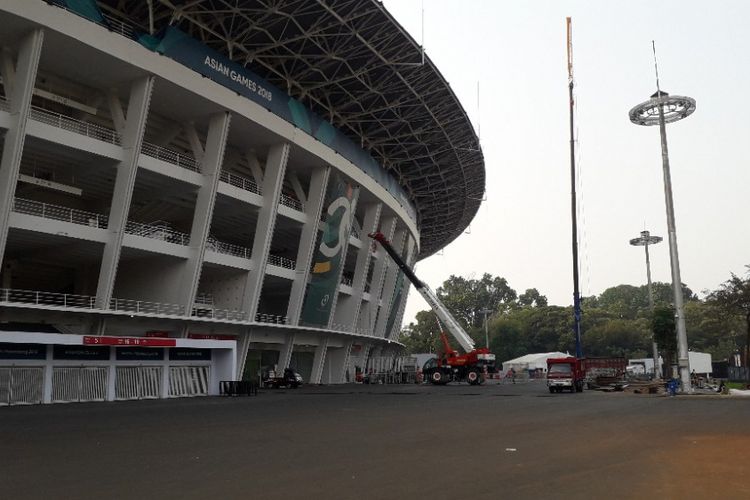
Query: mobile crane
[{"x": 450, "y": 365}]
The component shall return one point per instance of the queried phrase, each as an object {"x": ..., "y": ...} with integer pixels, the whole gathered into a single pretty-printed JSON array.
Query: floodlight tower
[
  {"x": 644, "y": 241},
  {"x": 661, "y": 109}
]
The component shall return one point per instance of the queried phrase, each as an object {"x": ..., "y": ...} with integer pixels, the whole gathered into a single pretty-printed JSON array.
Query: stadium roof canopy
[{"x": 354, "y": 65}]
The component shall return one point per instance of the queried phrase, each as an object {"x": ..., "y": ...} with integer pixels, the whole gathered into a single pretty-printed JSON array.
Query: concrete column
[
  {"x": 319, "y": 360},
  {"x": 132, "y": 139},
  {"x": 48, "y": 372},
  {"x": 213, "y": 157},
  {"x": 369, "y": 310},
  {"x": 273, "y": 179},
  {"x": 112, "y": 375},
  {"x": 243, "y": 344},
  {"x": 19, "y": 88},
  {"x": 411, "y": 257},
  {"x": 313, "y": 208},
  {"x": 340, "y": 369},
  {"x": 344, "y": 250},
  {"x": 285, "y": 353},
  {"x": 370, "y": 224},
  {"x": 389, "y": 285}
]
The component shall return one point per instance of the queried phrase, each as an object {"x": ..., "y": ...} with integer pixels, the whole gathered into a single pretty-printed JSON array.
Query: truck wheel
[
  {"x": 473, "y": 377},
  {"x": 436, "y": 377},
  {"x": 551, "y": 390}
]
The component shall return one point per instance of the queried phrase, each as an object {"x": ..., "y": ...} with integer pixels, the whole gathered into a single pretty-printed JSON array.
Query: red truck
[{"x": 571, "y": 373}]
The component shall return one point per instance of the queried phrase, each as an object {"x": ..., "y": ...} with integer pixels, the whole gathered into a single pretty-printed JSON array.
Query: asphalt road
[{"x": 382, "y": 442}]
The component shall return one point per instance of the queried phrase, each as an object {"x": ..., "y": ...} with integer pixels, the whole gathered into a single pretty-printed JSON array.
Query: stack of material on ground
[{"x": 645, "y": 387}]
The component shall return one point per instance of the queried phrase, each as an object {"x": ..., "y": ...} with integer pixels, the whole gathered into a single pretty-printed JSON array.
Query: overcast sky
[{"x": 516, "y": 50}]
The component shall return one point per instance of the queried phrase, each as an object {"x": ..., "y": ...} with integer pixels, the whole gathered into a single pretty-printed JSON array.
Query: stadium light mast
[
  {"x": 661, "y": 109},
  {"x": 573, "y": 209},
  {"x": 644, "y": 241}
]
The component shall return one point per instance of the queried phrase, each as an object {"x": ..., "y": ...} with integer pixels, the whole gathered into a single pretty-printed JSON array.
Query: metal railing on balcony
[
  {"x": 41, "y": 298},
  {"x": 204, "y": 299},
  {"x": 117, "y": 26},
  {"x": 290, "y": 202},
  {"x": 239, "y": 182},
  {"x": 56, "y": 212},
  {"x": 4, "y": 104},
  {"x": 73, "y": 125},
  {"x": 222, "y": 314},
  {"x": 345, "y": 280},
  {"x": 157, "y": 232},
  {"x": 278, "y": 261},
  {"x": 169, "y": 156},
  {"x": 146, "y": 307},
  {"x": 228, "y": 248},
  {"x": 270, "y": 318}
]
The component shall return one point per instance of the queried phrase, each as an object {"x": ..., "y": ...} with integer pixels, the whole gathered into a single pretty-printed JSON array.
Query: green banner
[{"x": 329, "y": 253}]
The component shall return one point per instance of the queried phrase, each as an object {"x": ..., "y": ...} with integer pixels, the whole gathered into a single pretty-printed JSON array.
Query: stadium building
[{"x": 186, "y": 190}]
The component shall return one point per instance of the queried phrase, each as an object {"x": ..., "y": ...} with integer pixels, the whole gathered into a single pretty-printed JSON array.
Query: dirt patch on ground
[{"x": 701, "y": 466}]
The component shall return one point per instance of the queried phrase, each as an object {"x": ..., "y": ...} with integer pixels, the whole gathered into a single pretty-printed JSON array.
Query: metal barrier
[
  {"x": 185, "y": 381},
  {"x": 77, "y": 126},
  {"x": 292, "y": 203},
  {"x": 228, "y": 248},
  {"x": 4, "y": 104},
  {"x": 21, "y": 385},
  {"x": 270, "y": 318},
  {"x": 137, "y": 382},
  {"x": 157, "y": 232},
  {"x": 238, "y": 388},
  {"x": 142, "y": 306},
  {"x": 72, "y": 384},
  {"x": 211, "y": 312},
  {"x": 56, "y": 212},
  {"x": 47, "y": 298},
  {"x": 239, "y": 182},
  {"x": 278, "y": 261},
  {"x": 169, "y": 156},
  {"x": 119, "y": 27}
]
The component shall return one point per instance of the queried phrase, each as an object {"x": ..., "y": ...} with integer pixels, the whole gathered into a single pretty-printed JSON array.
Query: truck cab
[{"x": 565, "y": 373}]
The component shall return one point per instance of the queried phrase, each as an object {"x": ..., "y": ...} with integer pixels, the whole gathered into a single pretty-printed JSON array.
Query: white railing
[
  {"x": 145, "y": 307},
  {"x": 4, "y": 104},
  {"x": 47, "y": 298},
  {"x": 119, "y": 27},
  {"x": 278, "y": 261},
  {"x": 157, "y": 232},
  {"x": 204, "y": 299},
  {"x": 224, "y": 314},
  {"x": 169, "y": 156},
  {"x": 228, "y": 248},
  {"x": 71, "y": 124},
  {"x": 239, "y": 182},
  {"x": 55, "y": 212},
  {"x": 367, "y": 288},
  {"x": 290, "y": 202},
  {"x": 270, "y": 318},
  {"x": 346, "y": 281}
]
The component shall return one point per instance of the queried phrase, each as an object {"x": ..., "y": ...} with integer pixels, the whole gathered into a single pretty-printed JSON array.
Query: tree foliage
[{"x": 618, "y": 322}]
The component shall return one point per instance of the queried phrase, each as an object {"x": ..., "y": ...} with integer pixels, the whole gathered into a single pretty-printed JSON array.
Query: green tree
[
  {"x": 733, "y": 296},
  {"x": 663, "y": 327},
  {"x": 422, "y": 336},
  {"x": 466, "y": 298},
  {"x": 532, "y": 298}
]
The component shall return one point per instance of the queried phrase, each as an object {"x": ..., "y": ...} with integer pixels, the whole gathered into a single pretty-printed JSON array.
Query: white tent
[
  {"x": 700, "y": 362},
  {"x": 532, "y": 361}
]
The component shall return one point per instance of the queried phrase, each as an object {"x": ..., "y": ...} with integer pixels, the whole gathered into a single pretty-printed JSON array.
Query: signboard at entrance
[
  {"x": 139, "y": 354},
  {"x": 129, "y": 341},
  {"x": 9, "y": 350},
  {"x": 79, "y": 352},
  {"x": 187, "y": 354}
]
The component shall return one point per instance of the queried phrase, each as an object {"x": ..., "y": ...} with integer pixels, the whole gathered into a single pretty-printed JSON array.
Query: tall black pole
[{"x": 573, "y": 210}]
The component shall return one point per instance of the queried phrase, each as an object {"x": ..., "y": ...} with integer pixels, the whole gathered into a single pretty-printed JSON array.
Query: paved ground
[{"x": 382, "y": 442}]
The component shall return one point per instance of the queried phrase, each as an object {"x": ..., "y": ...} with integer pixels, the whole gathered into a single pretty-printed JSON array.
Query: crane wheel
[
  {"x": 473, "y": 377},
  {"x": 436, "y": 377}
]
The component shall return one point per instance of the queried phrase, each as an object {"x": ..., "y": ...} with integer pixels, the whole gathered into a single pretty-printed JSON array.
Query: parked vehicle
[
  {"x": 449, "y": 365},
  {"x": 565, "y": 373},
  {"x": 290, "y": 378}
]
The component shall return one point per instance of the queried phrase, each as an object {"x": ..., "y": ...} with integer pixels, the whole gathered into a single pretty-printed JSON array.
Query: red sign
[
  {"x": 207, "y": 336},
  {"x": 129, "y": 341}
]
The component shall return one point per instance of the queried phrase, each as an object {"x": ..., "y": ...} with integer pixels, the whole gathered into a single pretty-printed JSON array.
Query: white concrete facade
[{"x": 138, "y": 197}]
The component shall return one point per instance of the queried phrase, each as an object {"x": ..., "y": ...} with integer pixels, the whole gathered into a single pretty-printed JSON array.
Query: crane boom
[{"x": 442, "y": 312}]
